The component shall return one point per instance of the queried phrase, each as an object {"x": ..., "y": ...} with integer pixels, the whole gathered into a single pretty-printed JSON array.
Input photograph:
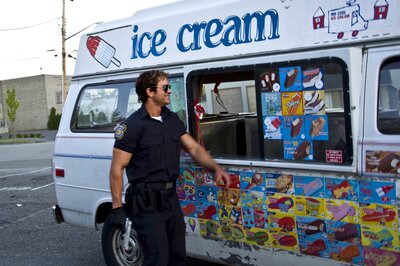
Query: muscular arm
[
  {"x": 120, "y": 160},
  {"x": 200, "y": 155}
]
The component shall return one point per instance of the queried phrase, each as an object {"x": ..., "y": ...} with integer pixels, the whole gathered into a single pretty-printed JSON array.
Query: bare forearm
[
  {"x": 201, "y": 156},
  {"x": 116, "y": 185}
]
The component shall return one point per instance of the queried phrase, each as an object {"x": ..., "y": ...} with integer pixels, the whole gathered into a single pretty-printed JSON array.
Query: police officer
[{"x": 147, "y": 145}]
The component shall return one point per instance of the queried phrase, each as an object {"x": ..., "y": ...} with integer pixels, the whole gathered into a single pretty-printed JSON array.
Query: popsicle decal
[{"x": 102, "y": 51}]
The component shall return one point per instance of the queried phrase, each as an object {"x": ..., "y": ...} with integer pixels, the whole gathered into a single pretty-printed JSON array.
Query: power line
[{"x": 30, "y": 26}]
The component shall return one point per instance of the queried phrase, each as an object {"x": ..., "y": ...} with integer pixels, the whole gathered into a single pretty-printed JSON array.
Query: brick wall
[{"x": 36, "y": 95}]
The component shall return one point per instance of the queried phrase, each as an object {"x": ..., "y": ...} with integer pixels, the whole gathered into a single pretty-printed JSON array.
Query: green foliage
[
  {"x": 54, "y": 119},
  {"x": 12, "y": 107},
  {"x": 19, "y": 136}
]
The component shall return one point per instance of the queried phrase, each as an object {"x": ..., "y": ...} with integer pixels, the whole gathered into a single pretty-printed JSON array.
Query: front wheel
[{"x": 113, "y": 251}]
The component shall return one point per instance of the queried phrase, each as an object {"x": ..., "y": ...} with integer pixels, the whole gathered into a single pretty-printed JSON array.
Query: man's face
[{"x": 161, "y": 95}]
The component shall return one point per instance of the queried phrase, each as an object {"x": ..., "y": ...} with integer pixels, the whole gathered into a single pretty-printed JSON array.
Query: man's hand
[
  {"x": 118, "y": 218},
  {"x": 222, "y": 177}
]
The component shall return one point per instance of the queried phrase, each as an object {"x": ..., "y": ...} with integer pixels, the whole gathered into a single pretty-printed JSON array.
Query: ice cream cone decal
[
  {"x": 192, "y": 224},
  {"x": 102, "y": 51}
]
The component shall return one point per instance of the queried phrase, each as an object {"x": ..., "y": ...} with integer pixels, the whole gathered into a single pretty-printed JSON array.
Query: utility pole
[{"x": 63, "y": 56}]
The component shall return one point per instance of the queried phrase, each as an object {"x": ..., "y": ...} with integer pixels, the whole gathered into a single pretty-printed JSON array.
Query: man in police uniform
[{"x": 147, "y": 145}]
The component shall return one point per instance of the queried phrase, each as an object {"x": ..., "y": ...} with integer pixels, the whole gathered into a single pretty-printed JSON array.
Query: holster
[{"x": 148, "y": 197}]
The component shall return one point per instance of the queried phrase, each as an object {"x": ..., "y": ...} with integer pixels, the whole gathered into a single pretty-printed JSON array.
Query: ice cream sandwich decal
[
  {"x": 314, "y": 102},
  {"x": 312, "y": 79}
]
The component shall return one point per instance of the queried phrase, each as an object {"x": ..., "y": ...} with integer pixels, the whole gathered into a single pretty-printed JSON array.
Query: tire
[{"x": 113, "y": 252}]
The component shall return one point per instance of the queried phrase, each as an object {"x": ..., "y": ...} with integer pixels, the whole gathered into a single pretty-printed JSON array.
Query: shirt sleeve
[
  {"x": 126, "y": 137},
  {"x": 180, "y": 126}
]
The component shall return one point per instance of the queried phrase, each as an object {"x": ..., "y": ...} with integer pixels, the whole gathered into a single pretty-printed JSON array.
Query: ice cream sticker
[
  {"x": 269, "y": 81},
  {"x": 271, "y": 103},
  {"x": 272, "y": 127},
  {"x": 378, "y": 192},
  {"x": 290, "y": 78},
  {"x": 298, "y": 150},
  {"x": 292, "y": 103},
  {"x": 345, "y": 189},
  {"x": 383, "y": 162},
  {"x": 293, "y": 127},
  {"x": 314, "y": 102},
  {"x": 312, "y": 79},
  {"x": 309, "y": 186},
  {"x": 316, "y": 127}
]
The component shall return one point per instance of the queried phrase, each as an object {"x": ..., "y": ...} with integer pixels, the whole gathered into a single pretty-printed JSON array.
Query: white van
[{"x": 297, "y": 100}]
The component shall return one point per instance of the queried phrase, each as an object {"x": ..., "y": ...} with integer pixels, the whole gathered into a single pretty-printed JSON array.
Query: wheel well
[{"x": 102, "y": 212}]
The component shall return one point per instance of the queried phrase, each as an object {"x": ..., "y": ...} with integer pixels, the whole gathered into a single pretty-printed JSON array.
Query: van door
[{"x": 381, "y": 144}]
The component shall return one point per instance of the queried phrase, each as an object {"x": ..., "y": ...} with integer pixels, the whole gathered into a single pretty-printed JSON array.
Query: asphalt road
[{"x": 29, "y": 235}]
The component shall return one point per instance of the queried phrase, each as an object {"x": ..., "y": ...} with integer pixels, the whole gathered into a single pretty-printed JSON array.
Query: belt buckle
[{"x": 169, "y": 185}]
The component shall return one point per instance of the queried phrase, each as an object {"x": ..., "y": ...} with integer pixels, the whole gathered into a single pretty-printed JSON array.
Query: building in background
[{"x": 36, "y": 95}]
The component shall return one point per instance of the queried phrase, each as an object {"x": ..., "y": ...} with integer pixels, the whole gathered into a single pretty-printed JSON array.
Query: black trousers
[{"x": 162, "y": 235}]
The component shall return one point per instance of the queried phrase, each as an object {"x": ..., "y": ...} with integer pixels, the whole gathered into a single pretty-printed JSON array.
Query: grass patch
[
  {"x": 16, "y": 141},
  {"x": 20, "y": 138}
]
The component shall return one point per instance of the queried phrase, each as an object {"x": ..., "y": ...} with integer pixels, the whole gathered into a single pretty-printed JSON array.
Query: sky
[{"x": 30, "y": 31}]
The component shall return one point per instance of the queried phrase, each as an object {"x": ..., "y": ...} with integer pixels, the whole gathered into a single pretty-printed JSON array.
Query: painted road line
[
  {"x": 36, "y": 188},
  {"x": 14, "y": 188},
  {"x": 27, "y": 173}
]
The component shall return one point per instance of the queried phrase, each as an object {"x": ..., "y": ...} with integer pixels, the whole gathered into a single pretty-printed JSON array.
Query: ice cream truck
[{"x": 306, "y": 123}]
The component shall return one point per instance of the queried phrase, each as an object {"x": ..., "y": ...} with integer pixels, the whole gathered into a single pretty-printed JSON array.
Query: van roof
[{"x": 190, "y": 31}]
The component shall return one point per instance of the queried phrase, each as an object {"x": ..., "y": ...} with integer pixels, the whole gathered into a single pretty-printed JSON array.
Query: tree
[
  {"x": 12, "y": 106},
  {"x": 54, "y": 119}
]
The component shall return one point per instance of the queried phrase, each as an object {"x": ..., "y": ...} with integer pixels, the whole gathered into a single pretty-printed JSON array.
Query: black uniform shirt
[{"x": 155, "y": 145}]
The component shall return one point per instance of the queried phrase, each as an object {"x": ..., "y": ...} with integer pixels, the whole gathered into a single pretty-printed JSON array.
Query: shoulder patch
[{"x": 120, "y": 131}]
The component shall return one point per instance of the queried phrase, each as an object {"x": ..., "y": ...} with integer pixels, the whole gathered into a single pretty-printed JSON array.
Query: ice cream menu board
[{"x": 293, "y": 109}]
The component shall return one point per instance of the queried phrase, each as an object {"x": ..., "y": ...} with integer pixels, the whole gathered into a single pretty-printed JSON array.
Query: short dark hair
[{"x": 146, "y": 80}]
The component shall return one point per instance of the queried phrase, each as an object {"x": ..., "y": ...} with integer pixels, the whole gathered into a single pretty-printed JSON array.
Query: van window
[
  {"x": 389, "y": 97},
  {"x": 100, "y": 107},
  {"x": 295, "y": 111}
]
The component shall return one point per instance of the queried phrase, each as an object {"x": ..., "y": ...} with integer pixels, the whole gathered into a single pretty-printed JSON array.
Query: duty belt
[{"x": 154, "y": 185}]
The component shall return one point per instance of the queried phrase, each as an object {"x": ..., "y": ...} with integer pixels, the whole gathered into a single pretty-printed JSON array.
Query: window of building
[
  {"x": 58, "y": 97},
  {"x": 389, "y": 97},
  {"x": 284, "y": 112}
]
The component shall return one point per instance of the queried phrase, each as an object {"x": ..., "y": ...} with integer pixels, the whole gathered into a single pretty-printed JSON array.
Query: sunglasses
[{"x": 165, "y": 87}]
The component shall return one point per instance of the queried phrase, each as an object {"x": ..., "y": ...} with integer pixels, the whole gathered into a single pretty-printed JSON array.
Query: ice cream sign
[
  {"x": 233, "y": 30},
  {"x": 350, "y": 17}
]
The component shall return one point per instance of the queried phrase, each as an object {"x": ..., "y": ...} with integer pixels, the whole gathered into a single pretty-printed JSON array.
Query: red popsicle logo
[{"x": 102, "y": 51}]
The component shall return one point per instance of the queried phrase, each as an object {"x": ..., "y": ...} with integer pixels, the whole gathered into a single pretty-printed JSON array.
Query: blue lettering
[
  {"x": 134, "y": 42},
  {"x": 140, "y": 52},
  {"x": 179, "y": 38},
  {"x": 145, "y": 44},
  {"x": 232, "y": 30},
  {"x": 260, "y": 22},
  {"x": 196, "y": 34},
  {"x": 159, "y": 38},
  {"x": 210, "y": 32}
]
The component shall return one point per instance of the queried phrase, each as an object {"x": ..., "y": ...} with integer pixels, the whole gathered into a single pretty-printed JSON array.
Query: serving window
[{"x": 295, "y": 111}]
